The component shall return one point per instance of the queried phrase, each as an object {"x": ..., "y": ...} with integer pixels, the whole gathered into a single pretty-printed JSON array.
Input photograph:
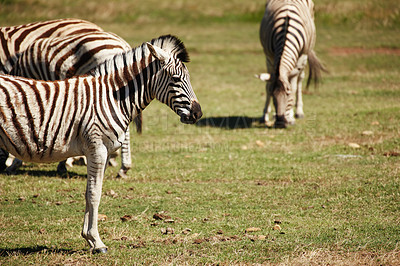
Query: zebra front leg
[
  {"x": 97, "y": 162},
  {"x": 126, "y": 160},
  {"x": 301, "y": 64},
  {"x": 267, "y": 108},
  {"x": 299, "y": 96}
]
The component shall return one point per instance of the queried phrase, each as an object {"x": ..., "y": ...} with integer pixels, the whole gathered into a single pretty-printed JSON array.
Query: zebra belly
[{"x": 37, "y": 152}]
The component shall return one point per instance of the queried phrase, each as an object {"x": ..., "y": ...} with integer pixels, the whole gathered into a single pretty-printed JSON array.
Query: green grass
[{"x": 335, "y": 204}]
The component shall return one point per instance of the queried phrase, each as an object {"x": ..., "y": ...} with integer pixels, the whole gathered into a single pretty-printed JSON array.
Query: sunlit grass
[{"x": 334, "y": 203}]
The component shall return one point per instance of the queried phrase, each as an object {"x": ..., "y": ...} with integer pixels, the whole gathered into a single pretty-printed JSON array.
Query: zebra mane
[
  {"x": 168, "y": 43},
  {"x": 173, "y": 45}
]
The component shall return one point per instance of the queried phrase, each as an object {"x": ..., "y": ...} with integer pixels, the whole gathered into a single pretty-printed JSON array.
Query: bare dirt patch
[{"x": 343, "y": 51}]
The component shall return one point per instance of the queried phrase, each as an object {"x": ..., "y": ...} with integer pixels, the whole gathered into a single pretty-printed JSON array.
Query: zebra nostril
[{"x": 196, "y": 110}]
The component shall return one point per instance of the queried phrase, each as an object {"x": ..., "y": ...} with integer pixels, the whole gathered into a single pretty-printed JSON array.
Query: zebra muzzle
[
  {"x": 194, "y": 115},
  {"x": 280, "y": 121}
]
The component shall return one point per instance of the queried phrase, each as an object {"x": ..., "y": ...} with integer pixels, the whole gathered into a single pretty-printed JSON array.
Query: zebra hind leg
[
  {"x": 126, "y": 160},
  {"x": 62, "y": 168},
  {"x": 12, "y": 169}
]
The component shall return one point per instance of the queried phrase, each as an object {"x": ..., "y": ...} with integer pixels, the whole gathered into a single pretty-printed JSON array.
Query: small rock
[
  {"x": 126, "y": 218},
  {"x": 367, "y": 133},
  {"x": 161, "y": 216},
  {"x": 198, "y": 241},
  {"x": 354, "y": 145},
  {"x": 101, "y": 217},
  {"x": 252, "y": 229},
  {"x": 112, "y": 193},
  {"x": 186, "y": 231},
  {"x": 277, "y": 227},
  {"x": 259, "y": 143},
  {"x": 261, "y": 237},
  {"x": 168, "y": 230}
]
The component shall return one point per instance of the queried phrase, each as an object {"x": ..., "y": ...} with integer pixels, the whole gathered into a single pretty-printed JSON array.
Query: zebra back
[
  {"x": 65, "y": 57},
  {"x": 15, "y": 39}
]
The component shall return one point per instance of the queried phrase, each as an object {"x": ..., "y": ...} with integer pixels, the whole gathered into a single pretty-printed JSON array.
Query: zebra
[
  {"x": 62, "y": 49},
  {"x": 47, "y": 121},
  {"x": 287, "y": 34},
  {"x": 15, "y": 39}
]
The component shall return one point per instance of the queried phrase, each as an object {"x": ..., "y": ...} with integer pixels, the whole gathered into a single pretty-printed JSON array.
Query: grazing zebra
[
  {"x": 72, "y": 47},
  {"x": 287, "y": 34},
  {"x": 88, "y": 115}
]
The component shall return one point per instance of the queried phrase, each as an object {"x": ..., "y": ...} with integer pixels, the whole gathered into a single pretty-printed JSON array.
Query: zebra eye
[{"x": 176, "y": 79}]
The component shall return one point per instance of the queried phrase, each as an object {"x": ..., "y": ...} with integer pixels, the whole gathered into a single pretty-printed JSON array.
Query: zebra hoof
[
  {"x": 299, "y": 116},
  {"x": 3, "y": 167},
  {"x": 99, "y": 251},
  {"x": 122, "y": 174},
  {"x": 62, "y": 169}
]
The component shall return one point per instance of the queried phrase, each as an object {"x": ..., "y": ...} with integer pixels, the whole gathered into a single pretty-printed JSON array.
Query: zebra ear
[{"x": 157, "y": 52}]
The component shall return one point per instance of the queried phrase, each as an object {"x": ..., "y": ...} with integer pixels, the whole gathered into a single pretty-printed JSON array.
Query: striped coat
[
  {"x": 88, "y": 115},
  {"x": 62, "y": 49},
  {"x": 15, "y": 39},
  {"x": 287, "y": 34}
]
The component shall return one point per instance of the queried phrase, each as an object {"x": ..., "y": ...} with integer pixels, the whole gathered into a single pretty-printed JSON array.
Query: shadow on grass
[
  {"x": 5, "y": 252},
  {"x": 47, "y": 173},
  {"x": 231, "y": 122}
]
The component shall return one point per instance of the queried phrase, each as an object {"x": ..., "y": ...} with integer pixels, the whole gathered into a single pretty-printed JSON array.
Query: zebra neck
[{"x": 133, "y": 87}]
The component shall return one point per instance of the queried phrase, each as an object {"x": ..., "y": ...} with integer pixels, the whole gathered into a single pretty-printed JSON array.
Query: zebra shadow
[
  {"x": 231, "y": 122},
  {"x": 48, "y": 173},
  {"x": 8, "y": 252}
]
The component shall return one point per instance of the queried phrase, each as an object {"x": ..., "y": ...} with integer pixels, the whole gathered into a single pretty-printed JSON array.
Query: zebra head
[
  {"x": 174, "y": 88},
  {"x": 283, "y": 98}
]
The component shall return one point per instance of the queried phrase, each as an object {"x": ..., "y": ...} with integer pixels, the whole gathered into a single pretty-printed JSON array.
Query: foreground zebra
[
  {"x": 59, "y": 49},
  {"x": 287, "y": 34},
  {"x": 88, "y": 115}
]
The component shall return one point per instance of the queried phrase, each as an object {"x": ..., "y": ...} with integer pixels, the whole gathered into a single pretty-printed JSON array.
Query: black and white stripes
[
  {"x": 16, "y": 39},
  {"x": 88, "y": 115},
  {"x": 59, "y": 49},
  {"x": 287, "y": 34}
]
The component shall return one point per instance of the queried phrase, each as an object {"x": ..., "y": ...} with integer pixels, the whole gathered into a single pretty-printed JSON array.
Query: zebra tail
[
  {"x": 139, "y": 123},
  {"x": 315, "y": 69}
]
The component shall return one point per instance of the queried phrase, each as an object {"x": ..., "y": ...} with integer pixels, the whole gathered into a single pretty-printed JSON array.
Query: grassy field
[{"x": 331, "y": 182}]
